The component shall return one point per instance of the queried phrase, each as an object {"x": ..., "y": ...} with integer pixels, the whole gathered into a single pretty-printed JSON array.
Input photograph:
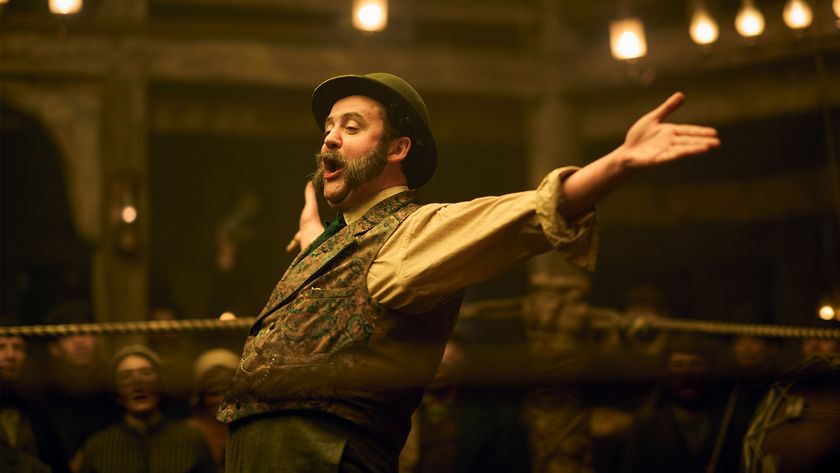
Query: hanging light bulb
[
  {"x": 826, "y": 312},
  {"x": 749, "y": 22},
  {"x": 65, "y": 7},
  {"x": 128, "y": 213},
  {"x": 703, "y": 28},
  {"x": 370, "y": 15},
  {"x": 797, "y": 14},
  {"x": 627, "y": 39}
]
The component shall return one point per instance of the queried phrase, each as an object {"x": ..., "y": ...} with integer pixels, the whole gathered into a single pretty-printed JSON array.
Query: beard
[
  {"x": 356, "y": 171},
  {"x": 687, "y": 391}
]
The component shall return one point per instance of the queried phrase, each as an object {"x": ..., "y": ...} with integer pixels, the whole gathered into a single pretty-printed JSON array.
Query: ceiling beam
[
  {"x": 517, "y": 12},
  {"x": 155, "y": 52},
  {"x": 243, "y": 61}
]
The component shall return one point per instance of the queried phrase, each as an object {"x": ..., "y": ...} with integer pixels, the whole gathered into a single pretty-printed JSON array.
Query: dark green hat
[{"x": 387, "y": 89}]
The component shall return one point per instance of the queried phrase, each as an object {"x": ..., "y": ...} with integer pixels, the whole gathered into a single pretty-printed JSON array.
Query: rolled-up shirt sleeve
[
  {"x": 576, "y": 240},
  {"x": 440, "y": 249}
]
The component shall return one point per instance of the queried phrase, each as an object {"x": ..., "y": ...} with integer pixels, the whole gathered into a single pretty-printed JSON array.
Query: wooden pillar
[
  {"x": 554, "y": 138},
  {"x": 122, "y": 260}
]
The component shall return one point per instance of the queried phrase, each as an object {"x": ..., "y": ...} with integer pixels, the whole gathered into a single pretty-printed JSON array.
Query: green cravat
[{"x": 332, "y": 228}]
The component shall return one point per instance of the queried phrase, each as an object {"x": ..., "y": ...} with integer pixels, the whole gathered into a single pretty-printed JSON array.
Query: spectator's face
[
  {"x": 750, "y": 352},
  {"x": 12, "y": 357},
  {"x": 76, "y": 350},
  {"x": 213, "y": 398},
  {"x": 352, "y": 155},
  {"x": 138, "y": 385},
  {"x": 686, "y": 376},
  {"x": 164, "y": 314},
  {"x": 815, "y": 346}
]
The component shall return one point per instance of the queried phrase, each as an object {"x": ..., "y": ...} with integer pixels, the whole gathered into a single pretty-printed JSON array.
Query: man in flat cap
[
  {"x": 338, "y": 359},
  {"x": 146, "y": 439}
]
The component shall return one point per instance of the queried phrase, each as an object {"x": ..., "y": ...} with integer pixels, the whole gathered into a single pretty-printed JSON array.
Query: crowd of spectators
[
  {"x": 67, "y": 407},
  {"x": 673, "y": 403}
]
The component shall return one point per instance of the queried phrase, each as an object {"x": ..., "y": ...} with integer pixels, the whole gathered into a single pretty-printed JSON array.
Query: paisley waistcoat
[{"x": 321, "y": 343}]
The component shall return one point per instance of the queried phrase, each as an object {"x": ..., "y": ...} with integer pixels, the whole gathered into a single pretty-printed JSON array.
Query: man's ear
[{"x": 398, "y": 149}]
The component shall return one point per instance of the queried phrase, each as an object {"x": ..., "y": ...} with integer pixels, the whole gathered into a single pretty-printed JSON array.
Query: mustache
[
  {"x": 356, "y": 171},
  {"x": 334, "y": 159}
]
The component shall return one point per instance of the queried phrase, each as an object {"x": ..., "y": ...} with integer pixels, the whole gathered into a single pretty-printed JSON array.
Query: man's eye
[{"x": 351, "y": 129}]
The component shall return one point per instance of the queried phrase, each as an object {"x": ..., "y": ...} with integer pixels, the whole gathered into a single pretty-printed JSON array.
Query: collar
[
  {"x": 143, "y": 428},
  {"x": 351, "y": 215}
]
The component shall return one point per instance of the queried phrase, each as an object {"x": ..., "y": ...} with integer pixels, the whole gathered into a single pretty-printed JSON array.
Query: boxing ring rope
[{"x": 606, "y": 320}]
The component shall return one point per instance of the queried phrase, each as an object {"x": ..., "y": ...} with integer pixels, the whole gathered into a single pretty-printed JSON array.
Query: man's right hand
[{"x": 310, "y": 225}]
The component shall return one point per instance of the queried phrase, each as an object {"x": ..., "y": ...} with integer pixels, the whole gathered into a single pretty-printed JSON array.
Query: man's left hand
[{"x": 650, "y": 141}]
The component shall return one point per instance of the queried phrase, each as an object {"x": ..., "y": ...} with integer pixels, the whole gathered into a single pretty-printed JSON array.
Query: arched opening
[{"x": 44, "y": 260}]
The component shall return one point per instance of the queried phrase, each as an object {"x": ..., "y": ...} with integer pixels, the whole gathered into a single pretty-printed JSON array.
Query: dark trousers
[{"x": 305, "y": 441}]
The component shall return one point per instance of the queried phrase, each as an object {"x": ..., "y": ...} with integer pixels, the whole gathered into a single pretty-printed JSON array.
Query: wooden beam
[
  {"x": 244, "y": 61},
  {"x": 207, "y": 50},
  {"x": 518, "y": 12}
]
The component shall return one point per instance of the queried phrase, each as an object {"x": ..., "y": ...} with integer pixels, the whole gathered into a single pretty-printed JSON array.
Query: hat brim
[{"x": 425, "y": 149}]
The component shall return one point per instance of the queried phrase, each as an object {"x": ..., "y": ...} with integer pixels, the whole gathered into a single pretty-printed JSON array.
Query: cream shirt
[{"x": 440, "y": 249}]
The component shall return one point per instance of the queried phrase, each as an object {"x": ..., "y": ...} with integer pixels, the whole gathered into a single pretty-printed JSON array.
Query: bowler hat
[{"x": 387, "y": 89}]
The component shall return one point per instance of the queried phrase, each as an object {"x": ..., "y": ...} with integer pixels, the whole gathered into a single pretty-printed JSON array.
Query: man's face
[
  {"x": 12, "y": 357},
  {"x": 686, "y": 374},
  {"x": 76, "y": 350},
  {"x": 213, "y": 392},
  {"x": 353, "y": 154},
  {"x": 750, "y": 352},
  {"x": 138, "y": 385},
  {"x": 164, "y": 314},
  {"x": 814, "y": 346}
]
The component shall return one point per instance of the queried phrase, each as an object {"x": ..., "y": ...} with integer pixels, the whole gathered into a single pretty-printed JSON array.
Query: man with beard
[
  {"x": 337, "y": 360},
  {"x": 679, "y": 434}
]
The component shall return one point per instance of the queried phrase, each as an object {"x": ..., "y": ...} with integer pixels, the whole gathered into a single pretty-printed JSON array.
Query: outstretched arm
[
  {"x": 649, "y": 142},
  {"x": 310, "y": 225}
]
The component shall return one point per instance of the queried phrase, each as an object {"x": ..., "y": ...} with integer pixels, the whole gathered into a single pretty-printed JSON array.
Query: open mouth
[
  {"x": 332, "y": 165},
  {"x": 83, "y": 353},
  {"x": 140, "y": 397}
]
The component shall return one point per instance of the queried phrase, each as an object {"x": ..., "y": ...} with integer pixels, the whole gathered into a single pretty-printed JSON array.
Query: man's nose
[
  {"x": 332, "y": 140},
  {"x": 136, "y": 380}
]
